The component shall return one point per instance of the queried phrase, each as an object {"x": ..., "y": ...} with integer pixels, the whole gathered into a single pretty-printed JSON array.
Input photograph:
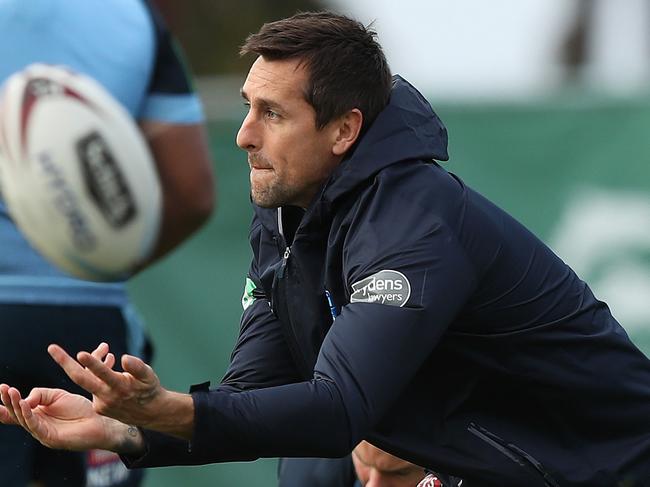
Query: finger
[
  {"x": 80, "y": 376},
  {"x": 109, "y": 361},
  {"x": 111, "y": 378},
  {"x": 14, "y": 395},
  {"x": 100, "y": 352},
  {"x": 6, "y": 400},
  {"x": 42, "y": 396},
  {"x": 6, "y": 417},
  {"x": 31, "y": 421},
  {"x": 137, "y": 368}
]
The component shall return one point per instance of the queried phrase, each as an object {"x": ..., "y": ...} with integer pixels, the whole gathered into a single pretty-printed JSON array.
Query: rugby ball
[{"x": 76, "y": 174}]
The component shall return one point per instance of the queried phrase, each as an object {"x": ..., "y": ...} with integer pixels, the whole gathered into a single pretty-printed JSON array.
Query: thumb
[
  {"x": 42, "y": 396},
  {"x": 137, "y": 368}
]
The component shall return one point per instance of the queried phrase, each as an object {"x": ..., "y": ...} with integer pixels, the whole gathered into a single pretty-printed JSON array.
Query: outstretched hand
[
  {"x": 59, "y": 419},
  {"x": 56, "y": 418},
  {"x": 128, "y": 396}
]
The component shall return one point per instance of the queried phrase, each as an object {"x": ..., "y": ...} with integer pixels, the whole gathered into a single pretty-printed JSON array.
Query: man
[
  {"x": 367, "y": 466},
  {"x": 125, "y": 46},
  {"x": 376, "y": 468},
  {"x": 386, "y": 301}
]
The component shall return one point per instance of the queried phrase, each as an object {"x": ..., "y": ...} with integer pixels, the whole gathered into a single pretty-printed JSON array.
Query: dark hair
[{"x": 346, "y": 65}]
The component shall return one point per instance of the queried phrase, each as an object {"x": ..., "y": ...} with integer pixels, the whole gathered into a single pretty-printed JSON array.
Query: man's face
[
  {"x": 288, "y": 156},
  {"x": 376, "y": 468}
]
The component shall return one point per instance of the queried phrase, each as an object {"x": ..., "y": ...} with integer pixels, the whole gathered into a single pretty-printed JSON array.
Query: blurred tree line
[{"x": 211, "y": 31}]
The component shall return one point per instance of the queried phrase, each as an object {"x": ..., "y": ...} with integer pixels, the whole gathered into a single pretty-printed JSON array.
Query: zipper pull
[
  {"x": 283, "y": 267},
  {"x": 334, "y": 311}
]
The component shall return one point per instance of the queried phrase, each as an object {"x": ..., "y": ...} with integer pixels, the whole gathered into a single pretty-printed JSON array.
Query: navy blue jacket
[{"x": 460, "y": 341}]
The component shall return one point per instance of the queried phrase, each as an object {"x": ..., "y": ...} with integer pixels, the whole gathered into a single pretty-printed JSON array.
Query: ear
[{"x": 348, "y": 127}]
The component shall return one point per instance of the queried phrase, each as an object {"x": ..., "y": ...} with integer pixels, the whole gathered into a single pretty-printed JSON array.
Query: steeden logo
[{"x": 385, "y": 287}]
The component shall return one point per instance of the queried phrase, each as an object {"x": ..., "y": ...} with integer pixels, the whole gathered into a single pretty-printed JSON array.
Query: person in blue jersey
[
  {"x": 386, "y": 301},
  {"x": 125, "y": 46}
]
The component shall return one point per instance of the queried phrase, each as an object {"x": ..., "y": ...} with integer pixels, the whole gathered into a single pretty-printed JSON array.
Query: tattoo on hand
[
  {"x": 132, "y": 431},
  {"x": 132, "y": 443}
]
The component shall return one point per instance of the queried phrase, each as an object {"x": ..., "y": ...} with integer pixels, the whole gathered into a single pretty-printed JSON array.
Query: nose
[
  {"x": 376, "y": 479},
  {"x": 248, "y": 136}
]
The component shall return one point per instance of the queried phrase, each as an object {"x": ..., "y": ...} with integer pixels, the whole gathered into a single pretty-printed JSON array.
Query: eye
[{"x": 271, "y": 115}]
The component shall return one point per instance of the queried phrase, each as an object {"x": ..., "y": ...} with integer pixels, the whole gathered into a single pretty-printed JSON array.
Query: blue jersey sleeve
[{"x": 171, "y": 97}]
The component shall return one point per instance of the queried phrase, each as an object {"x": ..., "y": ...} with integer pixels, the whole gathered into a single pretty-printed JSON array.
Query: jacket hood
[{"x": 407, "y": 128}]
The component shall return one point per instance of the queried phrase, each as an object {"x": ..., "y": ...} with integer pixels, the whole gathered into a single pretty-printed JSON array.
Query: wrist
[
  {"x": 174, "y": 414},
  {"x": 124, "y": 439}
]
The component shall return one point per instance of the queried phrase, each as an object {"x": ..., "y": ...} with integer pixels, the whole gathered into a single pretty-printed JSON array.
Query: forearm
[
  {"x": 301, "y": 419},
  {"x": 172, "y": 413},
  {"x": 185, "y": 171},
  {"x": 175, "y": 418}
]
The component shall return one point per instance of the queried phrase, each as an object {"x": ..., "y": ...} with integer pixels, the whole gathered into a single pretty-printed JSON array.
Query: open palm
[
  {"x": 66, "y": 421},
  {"x": 57, "y": 418}
]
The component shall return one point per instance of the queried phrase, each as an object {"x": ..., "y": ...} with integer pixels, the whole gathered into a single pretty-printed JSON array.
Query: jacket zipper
[
  {"x": 281, "y": 272},
  {"x": 285, "y": 260},
  {"x": 287, "y": 250}
]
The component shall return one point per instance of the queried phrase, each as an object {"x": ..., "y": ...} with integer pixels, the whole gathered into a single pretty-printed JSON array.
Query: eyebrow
[{"x": 264, "y": 102}]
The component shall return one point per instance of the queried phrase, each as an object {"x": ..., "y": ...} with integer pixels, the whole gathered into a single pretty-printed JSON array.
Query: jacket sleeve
[
  {"x": 371, "y": 352},
  {"x": 260, "y": 359}
]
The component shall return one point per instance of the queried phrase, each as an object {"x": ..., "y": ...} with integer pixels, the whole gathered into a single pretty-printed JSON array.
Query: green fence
[{"x": 577, "y": 173}]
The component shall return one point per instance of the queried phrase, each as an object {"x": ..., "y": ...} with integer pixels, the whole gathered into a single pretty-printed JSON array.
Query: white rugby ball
[{"x": 76, "y": 174}]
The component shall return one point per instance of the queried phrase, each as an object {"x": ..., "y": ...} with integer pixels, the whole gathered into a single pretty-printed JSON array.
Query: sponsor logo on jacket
[
  {"x": 248, "y": 297},
  {"x": 385, "y": 287}
]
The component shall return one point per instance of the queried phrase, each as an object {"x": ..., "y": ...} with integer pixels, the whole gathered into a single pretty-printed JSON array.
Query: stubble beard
[{"x": 272, "y": 195}]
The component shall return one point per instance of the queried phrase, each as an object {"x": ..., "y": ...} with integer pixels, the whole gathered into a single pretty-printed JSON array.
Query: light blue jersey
[{"x": 143, "y": 72}]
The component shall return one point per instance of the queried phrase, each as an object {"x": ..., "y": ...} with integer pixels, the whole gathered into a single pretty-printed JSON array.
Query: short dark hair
[{"x": 346, "y": 65}]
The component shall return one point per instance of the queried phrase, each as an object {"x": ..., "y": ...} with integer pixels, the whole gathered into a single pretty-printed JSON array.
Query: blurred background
[{"x": 547, "y": 103}]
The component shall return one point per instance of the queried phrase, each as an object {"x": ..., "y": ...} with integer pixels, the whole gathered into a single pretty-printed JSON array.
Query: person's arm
[
  {"x": 171, "y": 118},
  {"x": 62, "y": 420},
  {"x": 260, "y": 359},
  {"x": 134, "y": 396},
  {"x": 184, "y": 168}
]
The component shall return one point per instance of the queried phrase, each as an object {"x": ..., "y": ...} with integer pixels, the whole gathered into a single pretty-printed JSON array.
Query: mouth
[{"x": 258, "y": 165}]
